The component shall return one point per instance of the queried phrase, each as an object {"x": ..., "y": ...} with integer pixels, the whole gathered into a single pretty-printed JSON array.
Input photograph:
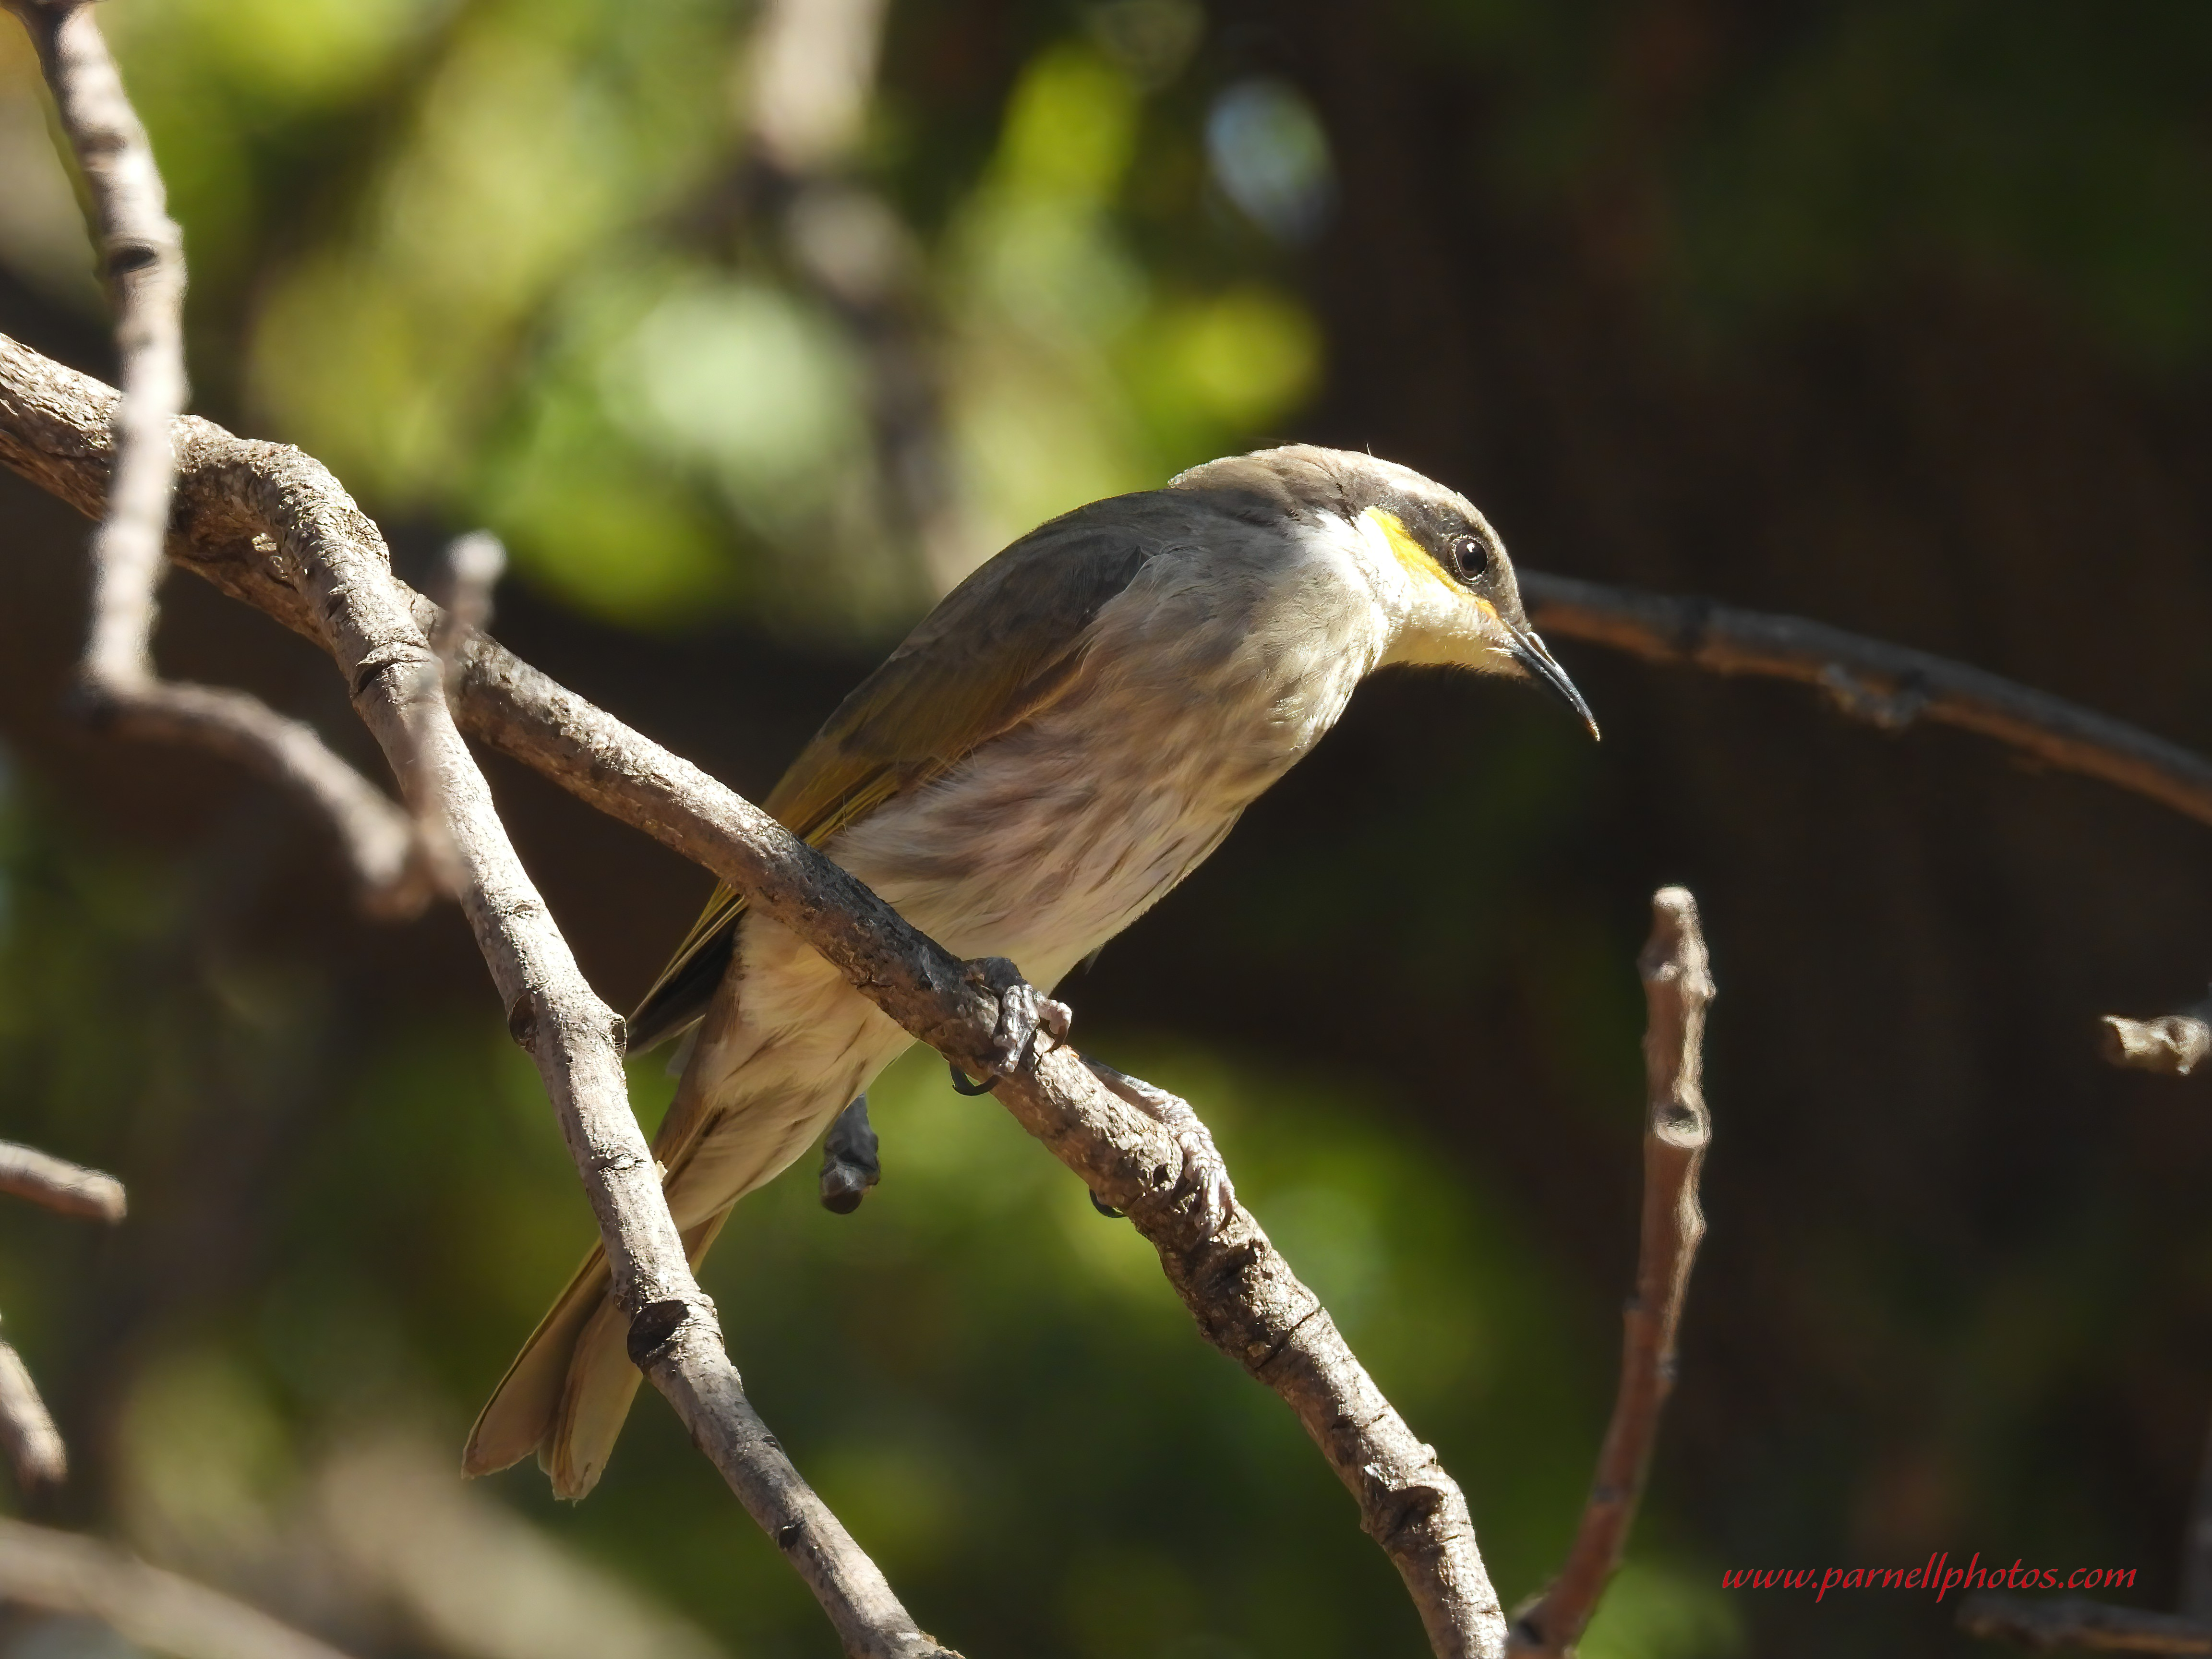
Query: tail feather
[{"x": 568, "y": 1391}]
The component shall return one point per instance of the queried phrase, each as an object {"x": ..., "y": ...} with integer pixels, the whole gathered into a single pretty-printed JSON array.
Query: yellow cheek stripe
[{"x": 1418, "y": 563}]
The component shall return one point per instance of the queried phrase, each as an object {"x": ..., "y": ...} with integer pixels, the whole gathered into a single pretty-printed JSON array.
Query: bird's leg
[
  {"x": 1024, "y": 1012},
  {"x": 1203, "y": 1171},
  {"x": 851, "y": 1161}
]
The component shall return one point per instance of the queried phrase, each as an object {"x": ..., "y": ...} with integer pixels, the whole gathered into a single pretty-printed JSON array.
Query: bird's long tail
[{"x": 568, "y": 1392}]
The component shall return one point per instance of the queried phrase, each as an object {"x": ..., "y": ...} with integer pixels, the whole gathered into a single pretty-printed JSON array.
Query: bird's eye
[{"x": 1470, "y": 556}]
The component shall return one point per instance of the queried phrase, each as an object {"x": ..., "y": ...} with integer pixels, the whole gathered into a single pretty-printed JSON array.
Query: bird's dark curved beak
[{"x": 1538, "y": 665}]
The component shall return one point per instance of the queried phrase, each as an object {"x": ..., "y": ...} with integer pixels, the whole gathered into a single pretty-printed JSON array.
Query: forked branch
[{"x": 142, "y": 258}]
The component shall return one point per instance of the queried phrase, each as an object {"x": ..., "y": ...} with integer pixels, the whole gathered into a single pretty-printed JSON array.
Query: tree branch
[
  {"x": 1890, "y": 686},
  {"x": 65, "y": 1573},
  {"x": 27, "y": 1433},
  {"x": 1677, "y": 986},
  {"x": 2074, "y": 1621},
  {"x": 58, "y": 1185},
  {"x": 1244, "y": 1296},
  {"x": 142, "y": 256}
]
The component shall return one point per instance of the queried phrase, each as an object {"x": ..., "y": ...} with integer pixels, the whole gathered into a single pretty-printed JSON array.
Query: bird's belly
[{"x": 1040, "y": 849}]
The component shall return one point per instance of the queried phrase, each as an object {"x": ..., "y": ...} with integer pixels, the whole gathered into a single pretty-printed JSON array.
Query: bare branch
[
  {"x": 27, "y": 1433},
  {"x": 1245, "y": 1298},
  {"x": 66, "y": 1573},
  {"x": 2073, "y": 1621},
  {"x": 1677, "y": 986},
  {"x": 141, "y": 255},
  {"x": 59, "y": 1185},
  {"x": 1889, "y": 685}
]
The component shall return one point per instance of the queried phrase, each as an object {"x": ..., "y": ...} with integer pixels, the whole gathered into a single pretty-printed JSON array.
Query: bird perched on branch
[{"x": 1059, "y": 743}]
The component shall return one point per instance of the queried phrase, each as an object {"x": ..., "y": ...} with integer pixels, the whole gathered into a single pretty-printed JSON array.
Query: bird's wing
[{"x": 999, "y": 647}]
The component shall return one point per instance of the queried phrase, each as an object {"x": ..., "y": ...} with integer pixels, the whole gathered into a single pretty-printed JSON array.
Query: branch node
[{"x": 655, "y": 1329}]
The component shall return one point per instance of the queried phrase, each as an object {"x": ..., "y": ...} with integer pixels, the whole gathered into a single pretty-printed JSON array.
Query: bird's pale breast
[{"x": 1205, "y": 680}]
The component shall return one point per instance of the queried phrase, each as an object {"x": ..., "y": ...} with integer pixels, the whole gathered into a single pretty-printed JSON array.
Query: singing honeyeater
[{"x": 1062, "y": 741}]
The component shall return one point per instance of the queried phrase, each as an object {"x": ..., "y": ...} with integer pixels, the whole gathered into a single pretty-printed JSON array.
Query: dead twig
[
  {"x": 142, "y": 257},
  {"x": 1890, "y": 686},
  {"x": 1245, "y": 1296},
  {"x": 1678, "y": 986},
  {"x": 2074, "y": 1621},
  {"x": 66, "y": 1573},
  {"x": 57, "y": 1184}
]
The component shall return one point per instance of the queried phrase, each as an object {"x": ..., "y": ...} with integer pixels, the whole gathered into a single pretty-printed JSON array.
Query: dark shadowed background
[{"x": 1897, "y": 314}]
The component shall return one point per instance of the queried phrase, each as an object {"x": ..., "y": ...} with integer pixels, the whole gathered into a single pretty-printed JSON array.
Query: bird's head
[{"x": 1442, "y": 571}]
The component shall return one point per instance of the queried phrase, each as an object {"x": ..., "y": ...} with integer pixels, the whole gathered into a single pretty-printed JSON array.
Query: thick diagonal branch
[
  {"x": 142, "y": 256},
  {"x": 1243, "y": 1294},
  {"x": 1677, "y": 986}
]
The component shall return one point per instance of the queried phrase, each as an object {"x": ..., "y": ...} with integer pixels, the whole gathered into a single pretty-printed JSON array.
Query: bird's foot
[
  {"x": 1025, "y": 1012},
  {"x": 1204, "y": 1173},
  {"x": 852, "y": 1160}
]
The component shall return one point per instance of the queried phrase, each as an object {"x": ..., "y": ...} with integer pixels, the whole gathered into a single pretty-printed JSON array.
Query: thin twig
[
  {"x": 57, "y": 1184},
  {"x": 142, "y": 256},
  {"x": 1890, "y": 686},
  {"x": 27, "y": 1433},
  {"x": 1678, "y": 986},
  {"x": 66, "y": 1573},
  {"x": 2073, "y": 1621},
  {"x": 1245, "y": 1298}
]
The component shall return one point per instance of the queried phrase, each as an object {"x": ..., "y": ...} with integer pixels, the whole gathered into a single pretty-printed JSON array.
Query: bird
[{"x": 1068, "y": 734}]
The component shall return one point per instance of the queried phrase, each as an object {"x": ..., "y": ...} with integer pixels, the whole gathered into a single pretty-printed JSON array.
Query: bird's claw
[
  {"x": 1025, "y": 1012},
  {"x": 851, "y": 1159},
  {"x": 1204, "y": 1175}
]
